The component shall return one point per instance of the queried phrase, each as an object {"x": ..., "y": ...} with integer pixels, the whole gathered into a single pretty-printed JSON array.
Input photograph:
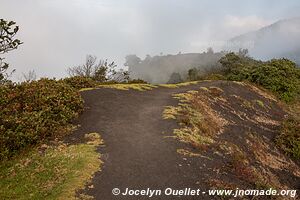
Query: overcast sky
[{"x": 60, "y": 33}]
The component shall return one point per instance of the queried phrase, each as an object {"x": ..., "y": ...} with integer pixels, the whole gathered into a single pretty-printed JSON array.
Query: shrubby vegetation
[
  {"x": 175, "y": 78},
  {"x": 79, "y": 82},
  {"x": 57, "y": 173},
  {"x": 281, "y": 76},
  {"x": 31, "y": 112}
]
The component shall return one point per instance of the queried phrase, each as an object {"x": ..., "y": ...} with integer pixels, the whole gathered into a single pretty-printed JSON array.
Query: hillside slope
[
  {"x": 281, "y": 39},
  {"x": 138, "y": 155},
  {"x": 158, "y": 69}
]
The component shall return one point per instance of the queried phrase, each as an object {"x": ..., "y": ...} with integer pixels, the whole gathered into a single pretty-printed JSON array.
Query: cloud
[{"x": 58, "y": 34}]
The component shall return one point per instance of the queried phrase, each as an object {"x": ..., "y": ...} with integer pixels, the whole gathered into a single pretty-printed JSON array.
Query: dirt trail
[{"x": 136, "y": 154}]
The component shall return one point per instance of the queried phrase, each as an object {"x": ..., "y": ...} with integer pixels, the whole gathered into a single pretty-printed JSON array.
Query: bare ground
[{"x": 139, "y": 155}]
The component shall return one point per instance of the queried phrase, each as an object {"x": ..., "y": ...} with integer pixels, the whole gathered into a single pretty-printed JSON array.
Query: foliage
[
  {"x": 193, "y": 74},
  {"x": 281, "y": 76},
  {"x": 8, "y": 30},
  {"x": 79, "y": 82},
  {"x": 56, "y": 173},
  {"x": 237, "y": 67},
  {"x": 33, "y": 111},
  {"x": 175, "y": 78},
  {"x": 158, "y": 69},
  {"x": 214, "y": 77},
  {"x": 208, "y": 72}
]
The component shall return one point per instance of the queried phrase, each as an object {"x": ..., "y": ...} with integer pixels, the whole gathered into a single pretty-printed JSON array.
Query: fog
[
  {"x": 281, "y": 39},
  {"x": 60, "y": 33}
]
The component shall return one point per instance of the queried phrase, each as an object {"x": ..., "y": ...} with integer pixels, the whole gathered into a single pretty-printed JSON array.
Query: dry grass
[
  {"x": 178, "y": 84},
  {"x": 265, "y": 120},
  {"x": 86, "y": 89},
  {"x": 250, "y": 160},
  {"x": 271, "y": 157},
  {"x": 188, "y": 153},
  {"x": 289, "y": 138},
  {"x": 262, "y": 92},
  {"x": 199, "y": 122},
  {"x": 139, "y": 87}
]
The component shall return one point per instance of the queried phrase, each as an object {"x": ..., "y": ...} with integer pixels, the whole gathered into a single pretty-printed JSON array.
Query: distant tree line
[{"x": 170, "y": 68}]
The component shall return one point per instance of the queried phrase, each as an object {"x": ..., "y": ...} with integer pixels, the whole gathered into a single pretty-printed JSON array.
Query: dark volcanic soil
[{"x": 137, "y": 154}]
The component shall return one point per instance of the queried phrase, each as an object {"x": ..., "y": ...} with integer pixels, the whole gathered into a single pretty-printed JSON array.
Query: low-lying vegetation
[
  {"x": 32, "y": 112},
  {"x": 134, "y": 86},
  {"x": 51, "y": 172},
  {"x": 289, "y": 137},
  {"x": 230, "y": 127},
  {"x": 176, "y": 85},
  {"x": 280, "y": 76},
  {"x": 199, "y": 123},
  {"x": 79, "y": 82}
]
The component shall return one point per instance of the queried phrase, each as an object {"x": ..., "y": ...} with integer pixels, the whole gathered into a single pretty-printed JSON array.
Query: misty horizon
[{"x": 59, "y": 34}]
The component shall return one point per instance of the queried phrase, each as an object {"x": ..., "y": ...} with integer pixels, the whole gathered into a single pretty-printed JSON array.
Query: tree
[
  {"x": 85, "y": 70},
  {"x": 210, "y": 50},
  {"x": 238, "y": 66},
  {"x": 243, "y": 52},
  {"x": 8, "y": 30},
  {"x": 193, "y": 74},
  {"x": 30, "y": 76},
  {"x": 101, "y": 71},
  {"x": 104, "y": 71},
  {"x": 175, "y": 78},
  {"x": 132, "y": 60}
]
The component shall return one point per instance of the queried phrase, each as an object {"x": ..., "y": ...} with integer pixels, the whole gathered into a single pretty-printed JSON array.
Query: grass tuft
[
  {"x": 139, "y": 87},
  {"x": 198, "y": 122},
  {"x": 177, "y": 85}
]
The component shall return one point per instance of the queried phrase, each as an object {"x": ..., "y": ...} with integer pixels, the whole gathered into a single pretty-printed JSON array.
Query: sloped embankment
[{"x": 231, "y": 127}]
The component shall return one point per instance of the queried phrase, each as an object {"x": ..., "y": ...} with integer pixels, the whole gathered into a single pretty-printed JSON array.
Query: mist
[
  {"x": 59, "y": 34},
  {"x": 281, "y": 39}
]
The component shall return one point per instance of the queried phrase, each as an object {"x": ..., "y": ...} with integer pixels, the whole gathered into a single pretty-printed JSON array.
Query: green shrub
[
  {"x": 237, "y": 67},
  {"x": 79, "y": 82},
  {"x": 281, "y": 76},
  {"x": 33, "y": 111}
]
